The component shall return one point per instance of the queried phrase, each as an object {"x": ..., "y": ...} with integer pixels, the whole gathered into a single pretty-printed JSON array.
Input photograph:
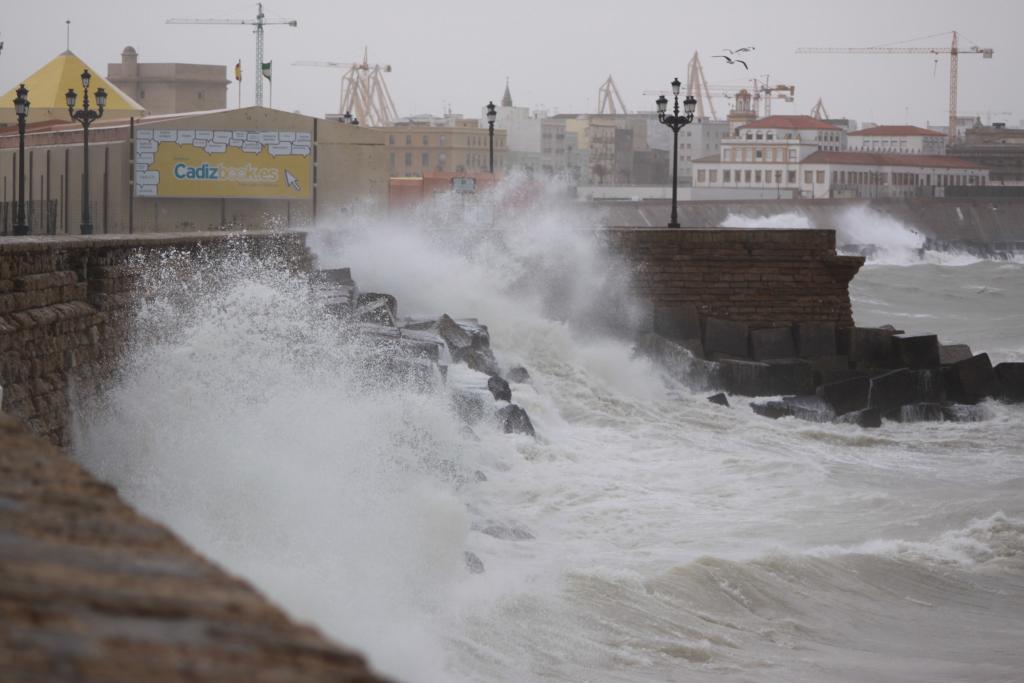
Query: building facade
[
  {"x": 415, "y": 148},
  {"x": 170, "y": 88},
  {"x": 999, "y": 148},
  {"x": 897, "y": 140}
]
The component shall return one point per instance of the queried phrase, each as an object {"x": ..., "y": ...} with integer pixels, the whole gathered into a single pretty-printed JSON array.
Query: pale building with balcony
[{"x": 897, "y": 140}]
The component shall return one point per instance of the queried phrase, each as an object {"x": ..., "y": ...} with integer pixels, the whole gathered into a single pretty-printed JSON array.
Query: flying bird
[
  {"x": 730, "y": 60},
  {"x": 749, "y": 48}
]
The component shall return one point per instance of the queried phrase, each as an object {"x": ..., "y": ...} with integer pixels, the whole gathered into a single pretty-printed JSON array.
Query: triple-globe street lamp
[
  {"x": 21, "y": 105},
  {"x": 86, "y": 116},
  {"x": 676, "y": 123}
]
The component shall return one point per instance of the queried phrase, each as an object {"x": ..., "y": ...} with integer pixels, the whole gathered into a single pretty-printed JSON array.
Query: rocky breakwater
[
  {"x": 827, "y": 374},
  {"x": 92, "y": 591}
]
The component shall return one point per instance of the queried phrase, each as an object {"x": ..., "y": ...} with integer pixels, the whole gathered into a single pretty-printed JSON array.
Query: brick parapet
[{"x": 761, "y": 277}]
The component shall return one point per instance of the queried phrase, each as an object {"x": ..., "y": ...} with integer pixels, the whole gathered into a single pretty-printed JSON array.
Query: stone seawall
[
  {"x": 65, "y": 304},
  {"x": 762, "y": 278}
]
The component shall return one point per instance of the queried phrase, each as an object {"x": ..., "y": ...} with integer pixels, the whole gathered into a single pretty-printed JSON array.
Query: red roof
[
  {"x": 871, "y": 159},
  {"x": 800, "y": 122},
  {"x": 897, "y": 131}
]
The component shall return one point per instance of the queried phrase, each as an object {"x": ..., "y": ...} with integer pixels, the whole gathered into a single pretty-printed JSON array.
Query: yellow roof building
[{"x": 48, "y": 85}]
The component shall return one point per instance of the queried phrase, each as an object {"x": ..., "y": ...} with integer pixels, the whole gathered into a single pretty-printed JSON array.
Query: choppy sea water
[{"x": 673, "y": 540}]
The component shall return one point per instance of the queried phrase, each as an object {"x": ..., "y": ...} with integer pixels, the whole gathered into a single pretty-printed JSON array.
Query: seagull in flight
[
  {"x": 749, "y": 48},
  {"x": 730, "y": 60}
]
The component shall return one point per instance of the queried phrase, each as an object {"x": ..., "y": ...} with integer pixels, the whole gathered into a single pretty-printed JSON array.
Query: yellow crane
[{"x": 954, "y": 52}]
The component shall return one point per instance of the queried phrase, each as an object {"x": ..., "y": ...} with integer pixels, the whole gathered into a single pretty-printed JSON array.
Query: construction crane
[
  {"x": 953, "y": 51},
  {"x": 819, "y": 112},
  {"x": 608, "y": 97},
  {"x": 364, "y": 93},
  {"x": 762, "y": 89},
  {"x": 259, "y": 22}
]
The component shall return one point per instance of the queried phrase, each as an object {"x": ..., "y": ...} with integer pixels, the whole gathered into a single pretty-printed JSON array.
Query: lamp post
[
  {"x": 21, "y": 105},
  {"x": 492, "y": 114},
  {"x": 676, "y": 123},
  {"x": 86, "y": 116}
]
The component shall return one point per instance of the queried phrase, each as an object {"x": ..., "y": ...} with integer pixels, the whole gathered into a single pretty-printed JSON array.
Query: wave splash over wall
[{"x": 660, "y": 537}]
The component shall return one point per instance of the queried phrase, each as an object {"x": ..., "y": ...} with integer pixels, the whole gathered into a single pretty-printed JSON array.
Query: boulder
[
  {"x": 517, "y": 375},
  {"x": 869, "y": 418},
  {"x": 953, "y": 353},
  {"x": 789, "y": 376},
  {"x": 829, "y": 369},
  {"x": 815, "y": 340},
  {"x": 719, "y": 399},
  {"x": 916, "y": 351},
  {"x": 892, "y": 390},
  {"x": 468, "y": 342},
  {"x": 727, "y": 337},
  {"x": 1011, "y": 381},
  {"x": 513, "y": 420},
  {"x": 971, "y": 380},
  {"x": 810, "y": 407},
  {"x": 678, "y": 362},
  {"x": 378, "y": 308},
  {"x": 847, "y": 396},
  {"x": 771, "y": 343},
  {"x": 507, "y": 532},
  {"x": 499, "y": 388},
  {"x": 772, "y": 409},
  {"x": 929, "y": 386},
  {"x": 745, "y": 378},
  {"x": 677, "y": 323}
]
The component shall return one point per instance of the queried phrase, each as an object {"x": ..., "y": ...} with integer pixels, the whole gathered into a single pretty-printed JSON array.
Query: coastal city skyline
[{"x": 454, "y": 56}]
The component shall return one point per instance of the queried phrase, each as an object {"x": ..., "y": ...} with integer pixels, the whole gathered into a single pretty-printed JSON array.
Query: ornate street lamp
[
  {"x": 676, "y": 123},
  {"x": 86, "y": 116},
  {"x": 492, "y": 114},
  {"x": 21, "y": 105}
]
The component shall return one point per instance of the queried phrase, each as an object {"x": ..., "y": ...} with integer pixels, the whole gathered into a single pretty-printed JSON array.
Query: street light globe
[
  {"x": 492, "y": 114},
  {"x": 101, "y": 98},
  {"x": 675, "y": 86},
  {"x": 662, "y": 103},
  {"x": 71, "y": 97},
  {"x": 689, "y": 104},
  {"x": 86, "y": 79}
]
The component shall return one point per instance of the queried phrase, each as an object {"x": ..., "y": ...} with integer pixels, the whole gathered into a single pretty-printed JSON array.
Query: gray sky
[{"x": 557, "y": 52}]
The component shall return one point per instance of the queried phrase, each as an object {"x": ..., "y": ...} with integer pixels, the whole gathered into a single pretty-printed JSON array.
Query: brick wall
[
  {"x": 65, "y": 304},
  {"x": 763, "y": 278}
]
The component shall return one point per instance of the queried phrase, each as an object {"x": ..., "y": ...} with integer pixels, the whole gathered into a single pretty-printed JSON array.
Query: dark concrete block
[
  {"x": 771, "y": 343},
  {"x": 892, "y": 390},
  {"x": 829, "y": 369},
  {"x": 869, "y": 347},
  {"x": 953, "y": 353},
  {"x": 815, "y": 340},
  {"x": 957, "y": 412},
  {"x": 810, "y": 407},
  {"x": 847, "y": 396},
  {"x": 972, "y": 380},
  {"x": 929, "y": 386},
  {"x": 917, "y": 352},
  {"x": 719, "y": 400},
  {"x": 772, "y": 409},
  {"x": 677, "y": 322},
  {"x": 868, "y": 418},
  {"x": 726, "y": 336},
  {"x": 1011, "y": 381},
  {"x": 745, "y": 378},
  {"x": 789, "y": 376}
]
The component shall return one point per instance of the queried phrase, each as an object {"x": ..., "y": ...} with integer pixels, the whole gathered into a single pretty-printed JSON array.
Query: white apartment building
[
  {"x": 897, "y": 140},
  {"x": 806, "y": 157}
]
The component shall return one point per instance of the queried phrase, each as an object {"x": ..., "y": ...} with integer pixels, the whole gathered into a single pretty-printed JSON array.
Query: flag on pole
[
  {"x": 267, "y": 68},
  {"x": 238, "y": 70}
]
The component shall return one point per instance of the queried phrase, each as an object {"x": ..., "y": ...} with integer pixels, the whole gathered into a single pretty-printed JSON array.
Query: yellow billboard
[{"x": 264, "y": 164}]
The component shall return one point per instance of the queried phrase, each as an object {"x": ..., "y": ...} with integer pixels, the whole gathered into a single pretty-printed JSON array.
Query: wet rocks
[
  {"x": 719, "y": 399},
  {"x": 972, "y": 380},
  {"x": 518, "y": 375},
  {"x": 468, "y": 341},
  {"x": 377, "y": 308},
  {"x": 507, "y": 532},
  {"x": 513, "y": 420},
  {"x": 868, "y": 418},
  {"x": 847, "y": 396},
  {"x": 953, "y": 353},
  {"x": 916, "y": 352},
  {"x": 892, "y": 390},
  {"x": 473, "y": 563},
  {"x": 499, "y": 388}
]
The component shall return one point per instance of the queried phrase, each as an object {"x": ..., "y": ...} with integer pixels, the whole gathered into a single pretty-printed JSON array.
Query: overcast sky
[{"x": 557, "y": 52}]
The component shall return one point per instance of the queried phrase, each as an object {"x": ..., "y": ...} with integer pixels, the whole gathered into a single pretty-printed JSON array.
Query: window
[
  {"x": 778, "y": 177},
  {"x": 792, "y": 155},
  {"x": 807, "y": 177},
  {"x": 391, "y": 139},
  {"x": 791, "y": 177},
  {"x": 750, "y": 136},
  {"x": 425, "y": 159},
  {"x": 701, "y": 176},
  {"x": 746, "y": 155},
  {"x": 408, "y": 139},
  {"x": 769, "y": 136},
  {"x": 408, "y": 158},
  {"x": 726, "y": 176},
  {"x": 819, "y": 177},
  {"x": 757, "y": 176},
  {"x": 426, "y": 140},
  {"x": 392, "y": 161},
  {"x": 757, "y": 154},
  {"x": 443, "y": 140},
  {"x": 713, "y": 175},
  {"x": 759, "y": 136},
  {"x": 746, "y": 176}
]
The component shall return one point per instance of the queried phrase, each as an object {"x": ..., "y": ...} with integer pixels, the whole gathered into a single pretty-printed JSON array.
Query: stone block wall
[
  {"x": 763, "y": 278},
  {"x": 65, "y": 303}
]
